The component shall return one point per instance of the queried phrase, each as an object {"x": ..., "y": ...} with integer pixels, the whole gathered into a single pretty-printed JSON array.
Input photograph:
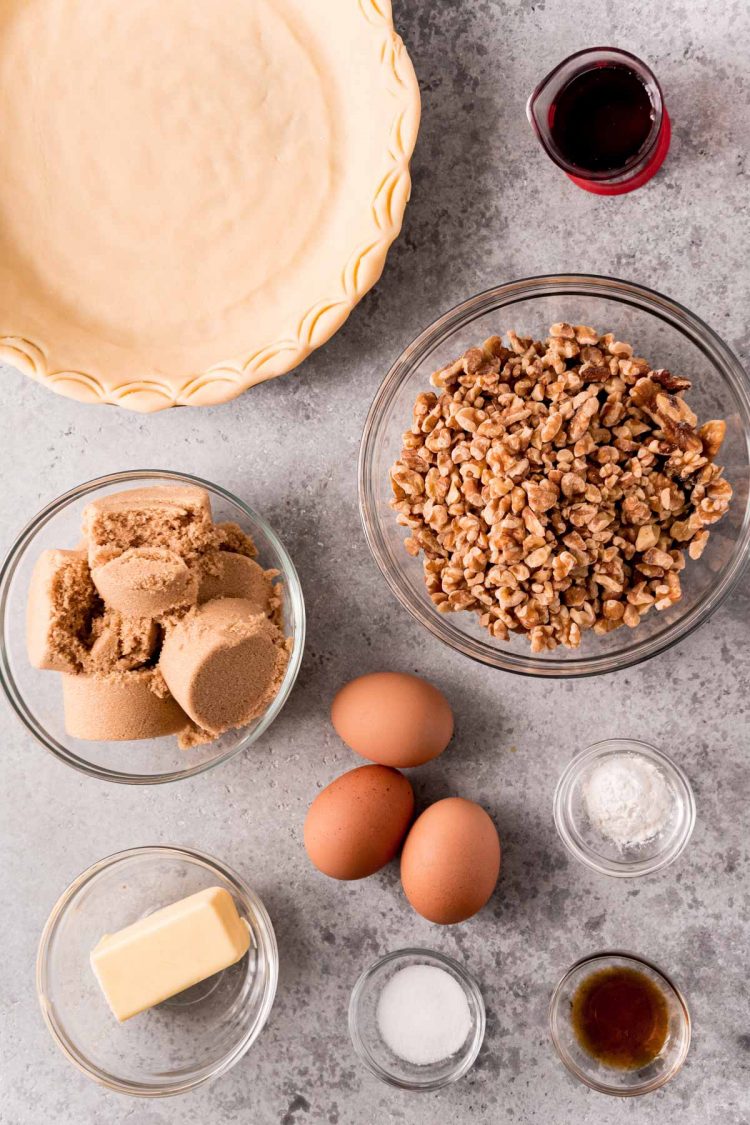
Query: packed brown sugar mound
[
  {"x": 555, "y": 486},
  {"x": 161, "y": 621}
]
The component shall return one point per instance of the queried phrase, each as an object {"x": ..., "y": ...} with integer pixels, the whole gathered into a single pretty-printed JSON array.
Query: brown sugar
[
  {"x": 231, "y": 537},
  {"x": 118, "y": 707},
  {"x": 146, "y": 582},
  {"x": 229, "y": 575},
  {"x": 61, "y": 604},
  {"x": 223, "y": 663},
  {"x": 176, "y": 517},
  {"x": 161, "y": 620},
  {"x": 121, "y": 644}
]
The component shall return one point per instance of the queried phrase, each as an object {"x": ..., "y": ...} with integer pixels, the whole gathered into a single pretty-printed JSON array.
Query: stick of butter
[{"x": 169, "y": 951}]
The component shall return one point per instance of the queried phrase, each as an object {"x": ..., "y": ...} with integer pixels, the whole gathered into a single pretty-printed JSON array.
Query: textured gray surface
[{"x": 486, "y": 207}]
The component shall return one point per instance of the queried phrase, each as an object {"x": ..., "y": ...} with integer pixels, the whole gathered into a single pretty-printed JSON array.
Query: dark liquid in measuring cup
[
  {"x": 620, "y": 1016},
  {"x": 602, "y": 118}
]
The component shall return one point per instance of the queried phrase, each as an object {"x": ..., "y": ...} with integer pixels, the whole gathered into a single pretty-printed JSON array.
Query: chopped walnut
[{"x": 553, "y": 487}]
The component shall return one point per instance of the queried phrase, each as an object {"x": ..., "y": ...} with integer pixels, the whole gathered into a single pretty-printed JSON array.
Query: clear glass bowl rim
[
  {"x": 708, "y": 342},
  {"x": 601, "y": 1088},
  {"x": 264, "y": 932},
  {"x": 8, "y": 569},
  {"x": 470, "y": 984},
  {"x": 566, "y": 830},
  {"x": 544, "y": 135}
]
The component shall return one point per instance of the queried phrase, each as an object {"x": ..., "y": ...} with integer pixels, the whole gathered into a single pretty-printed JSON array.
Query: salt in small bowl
[
  {"x": 586, "y": 842},
  {"x": 379, "y": 1059}
]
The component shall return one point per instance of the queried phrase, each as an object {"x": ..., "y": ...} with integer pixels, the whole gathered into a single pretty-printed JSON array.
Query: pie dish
[{"x": 194, "y": 196}]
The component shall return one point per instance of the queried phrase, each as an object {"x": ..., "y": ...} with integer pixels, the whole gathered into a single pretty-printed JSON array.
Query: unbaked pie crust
[{"x": 193, "y": 195}]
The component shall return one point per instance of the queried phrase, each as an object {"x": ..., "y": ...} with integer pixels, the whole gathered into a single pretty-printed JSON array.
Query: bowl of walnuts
[{"x": 555, "y": 475}]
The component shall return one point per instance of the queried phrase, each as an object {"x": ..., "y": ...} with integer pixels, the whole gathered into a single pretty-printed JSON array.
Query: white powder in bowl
[
  {"x": 423, "y": 1015},
  {"x": 628, "y": 799}
]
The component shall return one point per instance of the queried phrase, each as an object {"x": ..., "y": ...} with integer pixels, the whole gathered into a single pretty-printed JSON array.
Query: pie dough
[{"x": 194, "y": 195}]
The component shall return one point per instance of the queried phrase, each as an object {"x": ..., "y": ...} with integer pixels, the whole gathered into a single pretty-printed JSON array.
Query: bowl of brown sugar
[{"x": 152, "y": 626}]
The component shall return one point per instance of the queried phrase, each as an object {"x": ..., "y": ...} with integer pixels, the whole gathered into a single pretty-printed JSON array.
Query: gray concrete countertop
[{"x": 487, "y": 207}]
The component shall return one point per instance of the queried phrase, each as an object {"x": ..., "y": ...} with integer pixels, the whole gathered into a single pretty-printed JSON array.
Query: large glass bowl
[
  {"x": 661, "y": 330},
  {"x": 185, "y": 1041},
  {"x": 36, "y": 696}
]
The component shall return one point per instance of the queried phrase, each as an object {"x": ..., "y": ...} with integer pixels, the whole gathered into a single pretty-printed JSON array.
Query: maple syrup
[
  {"x": 620, "y": 1017},
  {"x": 601, "y": 118}
]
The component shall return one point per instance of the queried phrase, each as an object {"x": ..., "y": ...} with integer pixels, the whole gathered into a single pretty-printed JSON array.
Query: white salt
[
  {"x": 423, "y": 1015},
  {"x": 628, "y": 799}
]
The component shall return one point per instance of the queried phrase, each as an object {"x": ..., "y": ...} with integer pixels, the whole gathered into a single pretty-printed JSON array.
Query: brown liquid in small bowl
[
  {"x": 620, "y": 1016},
  {"x": 602, "y": 118}
]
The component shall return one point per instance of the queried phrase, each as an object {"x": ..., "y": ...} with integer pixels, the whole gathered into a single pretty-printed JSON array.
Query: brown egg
[
  {"x": 451, "y": 861},
  {"x": 393, "y": 718},
  {"x": 356, "y": 824}
]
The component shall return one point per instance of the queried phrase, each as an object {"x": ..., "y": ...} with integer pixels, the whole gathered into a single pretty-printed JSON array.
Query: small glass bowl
[
  {"x": 606, "y": 1079},
  {"x": 36, "y": 696},
  {"x": 659, "y": 328},
  {"x": 589, "y": 846},
  {"x": 369, "y": 1045},
  {"x": 187, "y": 1040},
  {"x": 643, "y": 164}
]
